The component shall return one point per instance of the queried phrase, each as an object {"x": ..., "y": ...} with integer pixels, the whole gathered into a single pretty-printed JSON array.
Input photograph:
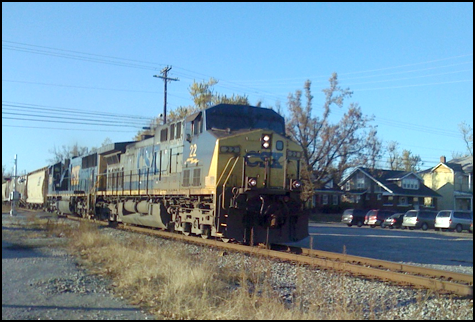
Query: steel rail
[
  {"x": 436, "y": 273},
  {"x": 384, "y": 270}
]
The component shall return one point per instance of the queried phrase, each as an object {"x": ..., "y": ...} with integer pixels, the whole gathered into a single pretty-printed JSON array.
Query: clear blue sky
[{"x": 408, "y": 64}]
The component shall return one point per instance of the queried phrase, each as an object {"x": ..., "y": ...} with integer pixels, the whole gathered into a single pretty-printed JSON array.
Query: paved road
[{"x": 416, "y": 246}]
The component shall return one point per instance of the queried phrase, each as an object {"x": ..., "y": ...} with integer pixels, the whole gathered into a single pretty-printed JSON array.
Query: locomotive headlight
[
  {"x": 266, "y": 141},
  {"x": 295, "y": 184},
  {"x": 251, "y": 182}
]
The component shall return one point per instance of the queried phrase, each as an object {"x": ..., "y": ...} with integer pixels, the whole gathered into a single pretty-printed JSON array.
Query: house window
[
  {"x": 335, "y": 200},
  {"x": 325, "y": 200},
  {"x": 403, "y": 201},
  {"x": 360, "y": 182},
  {"x": 389, "y": 201},
  {"x": 348, "y": 186},
  {"x": 412, "y": 184},
  {"x": 429, "y": 202}
]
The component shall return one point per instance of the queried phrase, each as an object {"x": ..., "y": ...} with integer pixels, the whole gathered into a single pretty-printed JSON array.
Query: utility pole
[
  {"x": 14, "y": 196},
  {"x": 166, "y": 79}
]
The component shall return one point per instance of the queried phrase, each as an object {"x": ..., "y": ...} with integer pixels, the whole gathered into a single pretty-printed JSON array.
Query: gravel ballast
[{"x": 46, "y": 283}]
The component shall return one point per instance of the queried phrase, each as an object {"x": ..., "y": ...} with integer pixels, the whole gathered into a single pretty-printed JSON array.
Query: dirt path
[{"x": 40, "y": 281}]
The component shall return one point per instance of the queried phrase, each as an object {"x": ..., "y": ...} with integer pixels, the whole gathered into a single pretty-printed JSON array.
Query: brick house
[
  {"x": 327, "y": 199},
  {"x": 366, "y": 188}
]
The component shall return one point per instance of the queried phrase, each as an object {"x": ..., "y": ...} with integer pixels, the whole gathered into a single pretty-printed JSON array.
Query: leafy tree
[{"x": 330, "y": 148}]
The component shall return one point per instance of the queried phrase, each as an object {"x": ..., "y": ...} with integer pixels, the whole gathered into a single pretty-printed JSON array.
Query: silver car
[
  {"x": 419, "y": 219},
  {"x": 454, "y": 219}
]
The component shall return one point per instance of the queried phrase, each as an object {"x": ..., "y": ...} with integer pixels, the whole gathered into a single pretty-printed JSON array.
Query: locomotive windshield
[{"x": 240, "y": 117}]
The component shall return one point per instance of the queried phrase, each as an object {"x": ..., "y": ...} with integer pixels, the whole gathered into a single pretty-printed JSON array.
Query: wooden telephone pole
[{"x": 166, "y": 79}]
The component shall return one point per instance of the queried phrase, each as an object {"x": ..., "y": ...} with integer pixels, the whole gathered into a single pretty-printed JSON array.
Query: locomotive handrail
[
  {"x": 224, "y": 170},
  {"x": 226, "y": 181}
]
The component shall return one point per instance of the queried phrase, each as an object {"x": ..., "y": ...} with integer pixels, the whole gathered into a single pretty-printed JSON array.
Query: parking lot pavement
[{"x": 398, "y": 245}]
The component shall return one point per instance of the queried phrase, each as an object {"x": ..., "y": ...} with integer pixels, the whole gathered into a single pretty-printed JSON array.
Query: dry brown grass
[
  {"x": 174, "y": 284},
  {"x": 6, "y": 208}
]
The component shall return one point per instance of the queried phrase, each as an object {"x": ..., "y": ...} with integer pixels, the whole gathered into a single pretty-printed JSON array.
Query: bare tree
[
  {"x": 394, "y": 158},
  {"x": 405, "y": 161},
  {"x": 66, "y": 152},
  {"x": 467, "y": 133},
  {"x": 330, "y": 149},
  {"x": 203, "y": 97},
  {"x": 5, "y": 173}
]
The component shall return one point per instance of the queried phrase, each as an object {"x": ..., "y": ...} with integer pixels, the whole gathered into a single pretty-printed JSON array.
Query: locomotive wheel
[
  {"x": 171, "y": 227},
  {"x": 113, "y": 221},
  {"x": 187, "y": 229},
  {"x": 178, "y": 223},
  {"x": 206, "y": 232}
]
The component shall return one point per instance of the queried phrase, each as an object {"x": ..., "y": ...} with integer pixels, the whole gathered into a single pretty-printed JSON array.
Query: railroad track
[{"x": 403, "y": 274}]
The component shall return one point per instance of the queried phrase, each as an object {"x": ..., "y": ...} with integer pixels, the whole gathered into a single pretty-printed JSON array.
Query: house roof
[
  {"x": 380, "y": 175},
  {"x": 387, "y": 179},
  {"x": 423, "y": 191},
  {"x": 464, "y": 164}
]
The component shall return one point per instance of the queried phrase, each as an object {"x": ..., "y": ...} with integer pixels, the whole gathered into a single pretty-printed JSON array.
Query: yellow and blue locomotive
[{"x": 228, "y": 172}]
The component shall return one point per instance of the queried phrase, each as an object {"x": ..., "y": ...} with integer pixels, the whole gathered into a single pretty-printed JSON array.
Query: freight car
[
  {"x": 228, "y": 172},
  {"x": 31, "y": 189},
  {"x": 6, "y": 188},
  {"x": 36, "y": 190}
]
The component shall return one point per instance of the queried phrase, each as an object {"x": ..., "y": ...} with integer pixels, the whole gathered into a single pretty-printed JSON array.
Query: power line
[
  {"x": 70, "y": 122},
  {"x": 129, "y": 124},
  {"x": 70, "y": 110},
  {"x": 77, "y": 86},
  {"x": 65, "y": 129},
  {"x": 242, "y": 88}
]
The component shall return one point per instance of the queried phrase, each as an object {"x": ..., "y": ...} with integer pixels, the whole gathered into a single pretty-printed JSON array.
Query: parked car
[
  {"x": 419, "y": 219},
  {"x": 454, "y": 219},
  {"x": 354, "y": 217},
  {"x": 471, "y": 228},
  {"x": 376, "y": 217},
  {"x": 394, "y": 221}
]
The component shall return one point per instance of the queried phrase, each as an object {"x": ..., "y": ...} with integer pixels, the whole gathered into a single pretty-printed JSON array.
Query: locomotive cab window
[
  {"x": 178, "y": 130},
  {"x": 194, "y": 125},
  {"x": 197, "y": 125},
  {"x": 172, "y": 132},
  {"x": 164, "y": 135}
]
